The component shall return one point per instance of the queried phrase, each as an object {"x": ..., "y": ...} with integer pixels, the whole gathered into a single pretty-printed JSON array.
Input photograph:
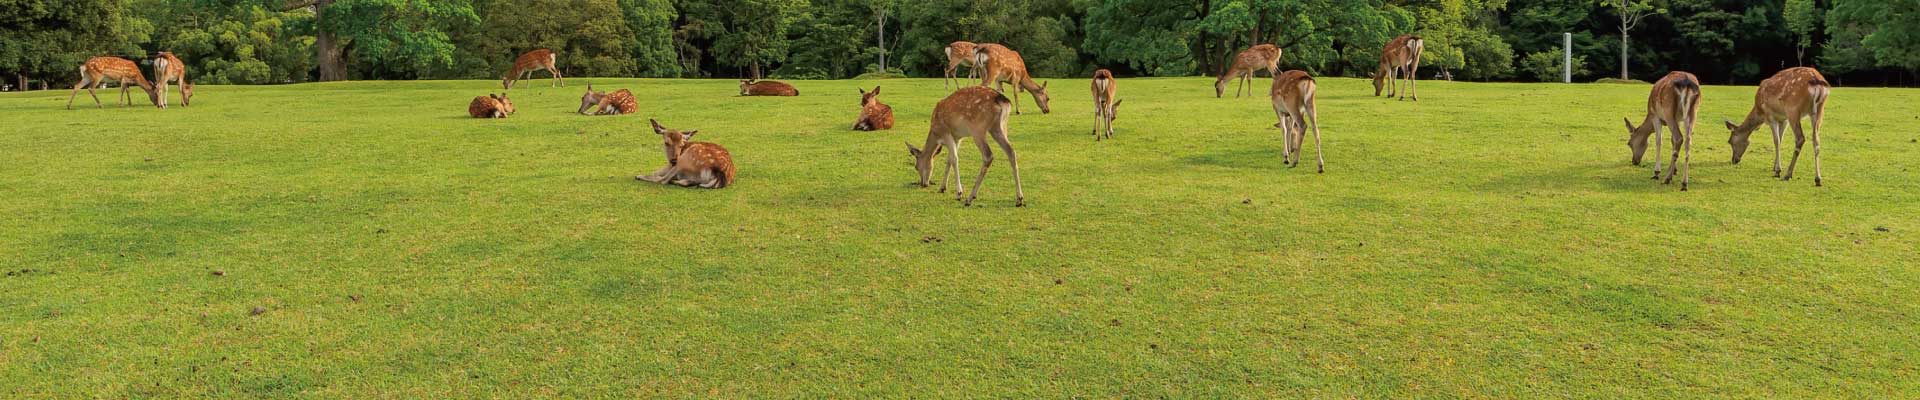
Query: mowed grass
[{"x": 1490, "y": 240}]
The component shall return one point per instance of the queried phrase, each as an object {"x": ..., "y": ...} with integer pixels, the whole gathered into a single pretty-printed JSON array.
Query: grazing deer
[
  {"x": 1399, "y": 61},
  {"x": 1786, "y": 97},
  {"x": 97, "y": 71},
  {"x": 960, "y": 53},
  {"x": 691, "y": 164},
  {"x": 168, "y": 68},
  {"x": 874, "y": 115},
  {"x": 523, "y": 68},
  {"x": 975, "y": 112},
  {"x": 1673, "y": 103},
  {"x": 1003, "y": 65},
  {"x": 1244, "y": 64},
  {"x": 603, "y": 103},
  {"x": 750, "y": 87},
  {"x": 1104, "y": 106},
  {"x": 490, "y": 106},
  {"x": 1293, "y": 103}
]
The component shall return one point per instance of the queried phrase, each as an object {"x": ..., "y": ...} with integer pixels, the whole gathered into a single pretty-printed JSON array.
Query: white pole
[{"x": 1566, "y": 58}]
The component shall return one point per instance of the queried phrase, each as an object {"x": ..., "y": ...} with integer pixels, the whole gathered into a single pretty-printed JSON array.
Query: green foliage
[
  {"x": 1803, "y": 19},
  {"x": 1545, "y": 66},
  {"x": 49, "y": 39},
  {"x": 398, "y": 38},
  {"x": 241, "y": 43},
  {"x": 1870, "y": 34}
]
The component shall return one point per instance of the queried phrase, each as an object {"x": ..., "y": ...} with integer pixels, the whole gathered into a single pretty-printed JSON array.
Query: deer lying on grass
[
  {"x": 1786, "y": 97},
  {"x": 972, "y": 112},
  {"x": 1244, "y": 64},
  {"x": 603, "y": 103},
  {"x": 690, "y": 164},
  {"x": 168, "y": 68},
  {"x": 97, "y": 71},
  {"x": 523, "y": 68},
  {"x": 960, "y": 53},
  {"x": 1399, "y": 62},
  {"x": 490, "y": 106},
  {"x": 1002, "y": 65},
  {"x": 1104, "y": 106},
  {"x": 750, "y": 87},
  {"x": 874, "y": 115},
  {"x": 1674, "y": 102},
  {"x": 1293, "y": 103}
]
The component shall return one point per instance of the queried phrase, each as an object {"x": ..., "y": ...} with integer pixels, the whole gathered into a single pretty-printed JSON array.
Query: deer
[
  {"x": 490, "y": 106},
  {"x": 1003, "y": 65},
  {"x": 751, "y": 87},
  {"x": 603, "y": 103},
  {"x": 960, "y": 53},
  {"x": 1788, "y": 96},
  {"x": 167, "y": 68},
  {"x": 524, "y": 67},
  {"x": 1244, "y": 64},
  {"x": 97, "y": 71},
  {"x": 975, "y": 112},
  {"x": 1293, "y": 104},
  {"x": 691, "y": 164},
  {"x": 1399, "y": 62},
  {"x": 874, "y": 115},
  {"x": 1104, "y": 105},
  {"x": 1674, "y": 103}
]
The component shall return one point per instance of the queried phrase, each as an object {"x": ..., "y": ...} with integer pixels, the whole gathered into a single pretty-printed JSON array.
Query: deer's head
[
  {"x": 1636, "y": 141},
  {"x": 1738, "y": 139},
  {"x": 1379, "y": 82},
  {"x": 506, "y": 106},
  {"x": 186, "y": 94},
  {"x": 923, "y": 161},
  {"x": 1040, "y": 97},
  {"x": 672, "y": 141},
  {"x": 1113, "y": 110},
  {"x": 868, "y": 98},
  {"x": 592, "y": 98},
  {"x": 746, "y": 86}
]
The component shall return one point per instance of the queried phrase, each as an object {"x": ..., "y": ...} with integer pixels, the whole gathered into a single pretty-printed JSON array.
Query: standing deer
[
  {"x": 168, "y": 68},
  {"x": 523, "y": 68},
  {"x": 750, "y": 87},
  {"x": 1244, "y": 65},
  {"x": 490, "y": 106},
  {"x": 874, "y": 115},
  {"x": 960, "y": 53},
  {"x": 1674, "y": 102},
  {"x": 1786, "y": 97},
  {"x": 1293, "y": 103},
  {"x": 603, "y": 103},
  {"x": 97, "y": 71},
  {"x": 975, "y": 112},
  {"x": 1003, "y": 65},
  {"x": 1104, "y": 105},
  {"x": 1399, "y": 61},
  {"x": 691, "y": 164}
]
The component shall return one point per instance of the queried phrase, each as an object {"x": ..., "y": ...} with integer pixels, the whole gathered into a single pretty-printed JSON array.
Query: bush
[{"x": 1545, "y": 66}]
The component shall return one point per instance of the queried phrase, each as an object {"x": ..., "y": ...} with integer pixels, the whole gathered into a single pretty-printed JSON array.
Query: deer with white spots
[
  {"x": 1261, "y": 56},
  {"x": 975, "y": 112},
  {"x": 1000, "y": 65},
  {"x": 167, "y": 68},
  {"x": 691, "y": 164},
  {"x": 958, "y": 54},
  {"x": 1399, "y": 63},
  {"x": 97, "y": 71},
  {"x": 1674, "y": 102},
  {"x": 1293, "y": 104},
  {"x": 1785, "y": 98},
  {"x": 1104, "y": 105},
  {"x": 526, "y": 64}
]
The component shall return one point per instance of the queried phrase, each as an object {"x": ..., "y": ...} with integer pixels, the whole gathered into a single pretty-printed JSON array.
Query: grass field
[{"x": 1490, "y": 240}]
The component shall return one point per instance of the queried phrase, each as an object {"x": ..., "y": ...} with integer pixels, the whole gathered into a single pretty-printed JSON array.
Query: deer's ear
[
  {"x": 1730, "y": 125},
  {"x": 1043, "y": 85},
  {"x": 688, "y": 134},
  {"x": 863, "y": 91},
  {"x": 657, "y": 129},
  {"x": 876, "y": 90},
  {"x": 912, "y": 151}
]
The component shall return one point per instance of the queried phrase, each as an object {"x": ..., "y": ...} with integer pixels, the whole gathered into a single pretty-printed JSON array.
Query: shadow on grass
[
  {"x": 1264, "y": 158},
  {"x": 1597, "y": 177}
]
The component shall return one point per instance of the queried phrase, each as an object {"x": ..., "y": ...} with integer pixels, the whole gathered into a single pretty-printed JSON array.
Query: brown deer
[
  {"x": 168, "y": 68},
  {"x": 1786, "y": 97},
  {"x": 97, "y": 71},
  {"x": 1293, "y": 103},
  {"x": 691, "y": 164},
  {"x": 960, "y": 53},
  {"x": 1003, "y": 65},
  {"x": 524, "y": 67},
  {"x": 490, "y": 106},
  {"x": 975, "y": 112},
  {"x": 603, "y": 103},
  {"x": 1399, "y": 61},
  {"x": 1104, "y": 105},
  {"x": 1674, "y": 102},
  {"x": 874, "y": 115},
  {"x": 750, "y": 87},
  {"x": 1244, "y": 65}
]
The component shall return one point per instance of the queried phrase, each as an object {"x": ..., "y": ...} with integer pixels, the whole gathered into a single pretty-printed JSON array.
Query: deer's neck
[
  {"x": 1026, "y": 82},
  {"x": 1754, "y": 119}
]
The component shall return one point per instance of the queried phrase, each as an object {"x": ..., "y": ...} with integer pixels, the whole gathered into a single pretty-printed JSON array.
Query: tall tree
[
  {"x": 48, "y": 39},
  {"x": 394, "y": 38},
  {"x": 1803, "y": 19},
  {"x": 1630, "y": 13}
]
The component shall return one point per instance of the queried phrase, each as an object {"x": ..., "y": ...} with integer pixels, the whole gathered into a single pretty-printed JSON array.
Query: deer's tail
[
  {"x": 1689, "y": 92},
  {"x": 1819, "y": 89}
]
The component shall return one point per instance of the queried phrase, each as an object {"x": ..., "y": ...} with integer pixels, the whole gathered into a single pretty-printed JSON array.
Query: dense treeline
[{"x": 1864, "y": 42}]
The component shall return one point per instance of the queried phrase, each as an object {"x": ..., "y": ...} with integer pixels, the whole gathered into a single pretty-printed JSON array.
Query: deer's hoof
[
  {"x": 1816, "y": 182},
  {"x": 1020, "y": 202}
]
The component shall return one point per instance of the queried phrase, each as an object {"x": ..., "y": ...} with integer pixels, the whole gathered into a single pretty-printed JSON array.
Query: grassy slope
[{"x": 1489, "y": 240}]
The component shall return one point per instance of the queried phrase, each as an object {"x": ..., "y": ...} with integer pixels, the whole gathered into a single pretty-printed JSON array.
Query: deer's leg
[
  {"x": 1778, "y": 131},
  {"x": 163, "y": 92},
  {"x": 999, "y": 133},
  {"x": 1654, "y": 135},
  {"x": 947, "y": 81},
  {"x": 1413, "y": 79},
  {"x": 1799, "y": 140},
  {"x": 986, "y": 160},
  {"x": 1280, "y": 113},
  {"x": 557, "y": 78},
  {"x": 96, "y": 96},
  {"x": 1673, "y": 164},
  {"x": 953, "y": 164},
  {"x": 657, "y": 176},
  {"x": 1686, "y": 171},
  {"x": 1816, "y": 143},
  {"x": 1099, "y": 117},
  {"x": 76, "y": 91}
]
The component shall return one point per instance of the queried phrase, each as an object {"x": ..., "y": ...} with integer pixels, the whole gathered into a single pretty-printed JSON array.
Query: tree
[
  {"x": 1630, "y": 13},
  {"x": 49, "y": 39},
  {"x": 393, "y": 38},
  {"x": 1865, "y": 34},
  {"x": 1803, "y": 19}
]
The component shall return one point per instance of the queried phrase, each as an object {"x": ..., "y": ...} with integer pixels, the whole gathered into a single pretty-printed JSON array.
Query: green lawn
[{"x": 1490, "y": 240}]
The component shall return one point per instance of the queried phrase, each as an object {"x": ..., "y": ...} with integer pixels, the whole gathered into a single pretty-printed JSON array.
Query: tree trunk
[
  {"x": 327, "y": 47},
  {"x": 1623, "y": 53},
  {"x": 23, "y": 81}
]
